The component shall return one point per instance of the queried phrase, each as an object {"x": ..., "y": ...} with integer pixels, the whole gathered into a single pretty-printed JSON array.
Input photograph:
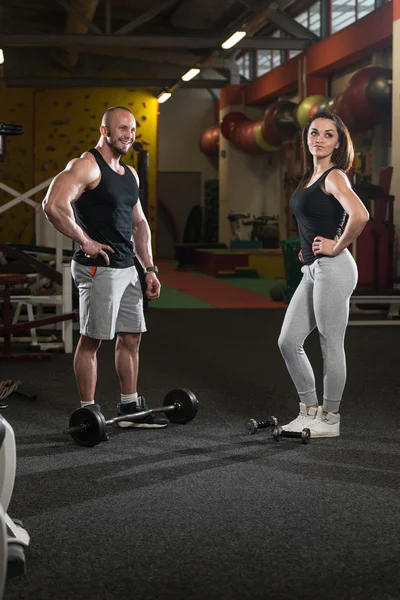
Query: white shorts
[{"x": 110, "y": 301}]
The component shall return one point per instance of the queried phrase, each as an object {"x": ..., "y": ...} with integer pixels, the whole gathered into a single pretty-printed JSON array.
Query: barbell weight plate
[
  {"x": 187, "y": 406},
  {"x": 95, "y": 426},
  {"x": 251, "y": 426},
  {"x": 277, "y": 433}
]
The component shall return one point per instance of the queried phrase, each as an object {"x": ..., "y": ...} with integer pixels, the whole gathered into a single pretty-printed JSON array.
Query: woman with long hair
[{"x": 320, "y": 204}]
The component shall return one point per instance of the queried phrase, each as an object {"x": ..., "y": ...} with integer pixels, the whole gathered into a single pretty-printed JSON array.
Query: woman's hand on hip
[{"x": 324, "y": 246}]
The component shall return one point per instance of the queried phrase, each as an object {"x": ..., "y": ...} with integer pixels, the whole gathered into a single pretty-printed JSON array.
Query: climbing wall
[
  {"x": 61, "y": 124},
  {"x": 67, "y": 123},
  {"x": 16, "y": 167}
]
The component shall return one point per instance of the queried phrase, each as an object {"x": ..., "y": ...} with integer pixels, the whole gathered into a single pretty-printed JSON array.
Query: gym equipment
[
  {"x": 302, "y": 111},
  {"x": 304, "y": 435},
  {"x": 234, "y": 221},
  {"x": 265, "y": 229},
  {"x": 230, "y": 122},
  {"x": 209, "y": 141},
  {"x": 10, "y": 129},
  {"x": 379, "y": 90},
  {"x": 374, "y": 249},
  {"x": 8, "y": 329},
  {"x": 211, "y": 211},
  {"x": 279, "y": 122},
  {"x": 343, "y": 109},
  {"x": 252, "y": 426},
  {"x": 290, "y": 249},
  {"x": 323, "y": 107},
  {"x": 13, "y": 537},
  {"x": 366, "y": 114},
  {"x": 244, "y": 137},
  {"x": 245, "y": 134},
  {"x": 88, "y": 427}
]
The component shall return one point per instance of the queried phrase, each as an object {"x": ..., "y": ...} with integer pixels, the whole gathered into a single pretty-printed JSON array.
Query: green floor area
[
  {"x": 258, "y": 286},
  {"x": 171, "y": 298}
]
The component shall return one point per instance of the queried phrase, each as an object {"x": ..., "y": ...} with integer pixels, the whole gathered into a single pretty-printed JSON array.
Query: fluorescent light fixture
[
  {"x": 163, "y": 97},
  {"x": 234, "y": 39},
  {"x": 1, "y": 56},
  {"x": 190, "y": 74}
]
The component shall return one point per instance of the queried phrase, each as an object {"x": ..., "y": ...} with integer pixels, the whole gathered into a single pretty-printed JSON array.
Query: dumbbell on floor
[
  {"x": 88, "y": 427},
  {"x": 252, "y": 426},
  {"x": 304, "y": 435}
]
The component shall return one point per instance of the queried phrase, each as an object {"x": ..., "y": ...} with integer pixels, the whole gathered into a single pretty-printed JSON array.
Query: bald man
[{"x": 95, "y": 202}]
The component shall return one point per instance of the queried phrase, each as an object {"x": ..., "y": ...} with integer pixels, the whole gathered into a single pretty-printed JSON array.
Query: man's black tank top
[
  {"x": 105, "y": 214},
  {"x": 317, "y": 213}
]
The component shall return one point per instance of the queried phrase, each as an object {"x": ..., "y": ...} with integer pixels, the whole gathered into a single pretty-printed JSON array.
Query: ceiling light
[
  {"x": 234, "y": 39},
  {"x": 163, "y": 97},
  {"x": 190, "y": 74}
]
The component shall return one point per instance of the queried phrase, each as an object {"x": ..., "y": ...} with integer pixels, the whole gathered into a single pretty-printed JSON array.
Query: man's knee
[
  {"x": 88, "y": 344},
  {"x": 130, "y": 341}
]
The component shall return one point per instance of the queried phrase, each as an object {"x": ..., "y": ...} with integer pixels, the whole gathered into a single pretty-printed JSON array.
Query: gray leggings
[{"x": 321, "y": 300}]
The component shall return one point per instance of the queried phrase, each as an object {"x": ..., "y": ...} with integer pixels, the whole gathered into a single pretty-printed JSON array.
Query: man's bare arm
[
  {"x": 64, "y": 190},
  {"x": 142, "y": 236}
]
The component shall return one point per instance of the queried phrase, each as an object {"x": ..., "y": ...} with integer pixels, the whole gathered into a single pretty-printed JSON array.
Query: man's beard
[{"x": 118, "y": 150}]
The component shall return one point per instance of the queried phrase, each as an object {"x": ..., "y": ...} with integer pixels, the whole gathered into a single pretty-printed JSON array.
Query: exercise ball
[
  {"x": 279, "y": 122},
  {"x": 209, "y": 141},
  {"x": 244, "y": 137},
  {"x": 379, "y": 90},
  {"x": 356, "y": 98},
  {"x": 304, "y": 108},
  {"x": 230, "y": 121},
  {"x": 323, "y": 107}
]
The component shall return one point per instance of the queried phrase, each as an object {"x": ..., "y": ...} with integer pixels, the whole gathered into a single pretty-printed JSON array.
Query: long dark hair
[{"x": 342, "y": 157}]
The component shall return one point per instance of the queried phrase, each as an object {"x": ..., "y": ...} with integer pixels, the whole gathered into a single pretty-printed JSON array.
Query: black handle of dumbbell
[
  {"x": 270, "y": 422},
  {"x": 143, "y": 413},
  {"x": 76, "y": 429},
  {"x": 252, "y": 425},
  {"x": 290, "y": 434}
]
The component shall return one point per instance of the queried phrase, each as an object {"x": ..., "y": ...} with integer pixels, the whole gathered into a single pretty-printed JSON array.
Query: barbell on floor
[
  {"x": 252, "y": 426},
  {"x": 88, "y": 427}
]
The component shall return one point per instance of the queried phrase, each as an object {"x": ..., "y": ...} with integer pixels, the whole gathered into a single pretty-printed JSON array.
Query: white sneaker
[
  {"x": 305, "y": 419},
  {"x": 324, "y": 426}
]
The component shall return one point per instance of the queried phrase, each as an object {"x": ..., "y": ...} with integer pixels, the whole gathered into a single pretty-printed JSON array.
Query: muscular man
[{"x": 95, "y": 202}]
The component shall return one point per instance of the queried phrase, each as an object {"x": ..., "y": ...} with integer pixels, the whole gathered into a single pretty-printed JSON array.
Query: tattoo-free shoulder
[
  {"x": 134, "y": 172},
  {"x": 336, "y": 181},
  {"x": 84, "y": 168}
]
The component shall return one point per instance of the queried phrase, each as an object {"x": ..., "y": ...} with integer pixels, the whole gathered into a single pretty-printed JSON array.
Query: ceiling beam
[
  {"x": 112, "y": 82},
  {"x": 147, "y": 41},
  {"x": 287, "y": 23},
  {"x": 160, "y": 56},
  {"x": 72, "y": 11},
  {"x": 145, "y": 17}
]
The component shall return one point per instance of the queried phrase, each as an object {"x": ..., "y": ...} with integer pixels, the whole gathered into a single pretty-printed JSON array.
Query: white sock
[
  {"x": 128, "y": 398},
  {"x": 83, "y": 404}
]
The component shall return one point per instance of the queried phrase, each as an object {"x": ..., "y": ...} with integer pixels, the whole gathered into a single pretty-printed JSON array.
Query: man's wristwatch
[{"x": 152, "y": 269}]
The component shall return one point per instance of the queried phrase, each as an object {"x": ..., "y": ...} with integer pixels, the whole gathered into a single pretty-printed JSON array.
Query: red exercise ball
[
  {"x": 356, "y": 97},
  {"x": 342, "y": 109},
  {"x": 209, "y": 141},
  {"x": 230, "y": 121},
  {"x": 279, "y": 122},
  {"x": 244, "y": 137}
]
